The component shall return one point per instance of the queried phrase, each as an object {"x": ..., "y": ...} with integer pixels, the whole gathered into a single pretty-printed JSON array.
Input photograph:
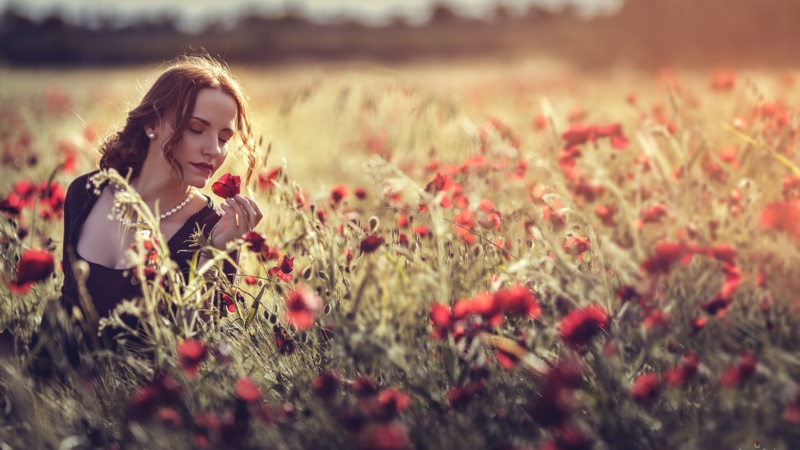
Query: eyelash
[{"x": 200, "y": 132}]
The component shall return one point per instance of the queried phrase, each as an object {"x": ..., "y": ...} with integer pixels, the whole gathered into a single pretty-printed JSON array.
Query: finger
[
  {"x": 257, "y": 209},
  {"x": 248, "y": 208},
  {"x": 240, "y": 215}
]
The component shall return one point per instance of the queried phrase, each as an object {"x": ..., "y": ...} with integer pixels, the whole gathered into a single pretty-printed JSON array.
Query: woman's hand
[{"x": 240, "y": 215}]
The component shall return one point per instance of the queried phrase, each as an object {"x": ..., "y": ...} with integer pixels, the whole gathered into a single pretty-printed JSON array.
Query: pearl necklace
[{"x": 118, "y": 211}]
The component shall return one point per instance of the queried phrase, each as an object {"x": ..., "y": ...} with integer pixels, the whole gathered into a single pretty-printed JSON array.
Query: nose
[{"x": 212, "y": 147}]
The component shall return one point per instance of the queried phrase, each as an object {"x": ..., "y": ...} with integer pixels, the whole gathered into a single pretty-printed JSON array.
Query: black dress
[{"x": 108, "y": 286}]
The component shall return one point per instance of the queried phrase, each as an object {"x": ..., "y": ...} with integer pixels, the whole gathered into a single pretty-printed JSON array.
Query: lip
[{"x": 204, "y": 167}]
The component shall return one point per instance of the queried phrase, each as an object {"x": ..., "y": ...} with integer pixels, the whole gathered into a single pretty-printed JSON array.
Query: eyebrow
[{"x": 208, "y": 124}]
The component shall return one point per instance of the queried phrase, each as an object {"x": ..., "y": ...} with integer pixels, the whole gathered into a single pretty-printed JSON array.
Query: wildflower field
[{"x": 487, "y": 255}]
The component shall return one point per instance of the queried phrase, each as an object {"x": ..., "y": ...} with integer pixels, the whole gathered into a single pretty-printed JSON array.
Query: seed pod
[
  {"x": 374, "y": 222},
  {"x": 327, "y": 309}
]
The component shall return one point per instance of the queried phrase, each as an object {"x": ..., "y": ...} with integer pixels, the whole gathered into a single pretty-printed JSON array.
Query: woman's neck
[{"x": 161, "y": 187}]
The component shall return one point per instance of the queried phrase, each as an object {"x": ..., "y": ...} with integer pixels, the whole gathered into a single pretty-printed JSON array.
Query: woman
[{"x": 172, "y": 143}]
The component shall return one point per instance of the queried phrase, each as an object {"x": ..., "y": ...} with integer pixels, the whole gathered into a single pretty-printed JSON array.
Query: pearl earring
[{"x": 151, "y": 135}]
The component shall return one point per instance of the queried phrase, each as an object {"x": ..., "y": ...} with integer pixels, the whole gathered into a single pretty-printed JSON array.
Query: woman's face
[{"x": 204, "y": 144}]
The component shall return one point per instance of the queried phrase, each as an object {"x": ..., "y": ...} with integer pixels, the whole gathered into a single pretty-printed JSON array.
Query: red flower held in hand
[
  {"x": 35, "y": 265},
  {"x": 581, "y": 325},
  {"x": 227, "y": 186},
  {"x": 191, "y": 354},
  {"x": 301, "y": 306},
  {"x": 371, "y": 243}
]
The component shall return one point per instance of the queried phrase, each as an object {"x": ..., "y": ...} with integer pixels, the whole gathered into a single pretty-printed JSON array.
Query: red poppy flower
[
  {"x": 441, "y": 319},
  {"x": 517, "y": 300},
  {"x": 459, "y": 396},
  {"x": 732, "y": 279},
  {"x": 678, "y": 375},
  {"x": 170, "y": 417},
  {"x": 576, "y": 245},
  {"x": 439, "y": 183},
  {"x": 255, "y": 240},
  {"x": 666, "y": 254},
  {"x": 646, "y": 388},
  {"x": 723, "y": 252},
  {"x": 698, "y": 324},
  {"x": 338, "y": 193},
  {"x": 191, "y": 354},
  {"x": 718, "y": 306},
  {"x": 385, "y": 436},
  {"x": 581, "y": 325},
  {"x": 301, "y": 306},
  {"x": 556, "y": 401},
  {"x": 483, "y": 305},
  {"x": 364, "y": 386},
  {"x": 162, "y": 390},
  {"x": 25, "y": 189},
  {"x": 34, "y": 265},
  {"x": 371, "y": 243},
  {"x": 227, "y": 186},
  {"x": 247, "y": 391},
  {"x": 392, "y": 402},
  {"x": 653, "y": 214},
  {"x": 626, "y": 293},
  {"x": 268, "y": 253},
  {"x": 589, "y": 192},
  {"x": 326, "y": 385},
  {"x": 743, "y": 370},
  {"x": 229, "y": 303},
  {"x": 577, "y": 134},
  {"x": 12, "y": 204},
  {"x": 267, "y": 178},
  {"x": 283, "y": 270},
  {"x": 791, "y": 415},
  {"x": 782, "y": 216},
  {"x": 540, "y": 122},
  {"x": 285, "y": 344},
  {"x": 723, "y": 80},
  {"x": 656, "y": 322},
  {"x": 360, "y": 193}
]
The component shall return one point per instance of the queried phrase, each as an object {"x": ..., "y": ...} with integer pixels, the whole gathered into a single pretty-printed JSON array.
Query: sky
[{"x": 192, "y": 14}]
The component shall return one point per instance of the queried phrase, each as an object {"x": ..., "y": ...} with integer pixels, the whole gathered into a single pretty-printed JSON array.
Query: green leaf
[{"x": 254, "y": 307}]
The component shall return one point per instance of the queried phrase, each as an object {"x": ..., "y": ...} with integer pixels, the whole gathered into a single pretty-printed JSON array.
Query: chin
[{"x": 198, "y": 182}]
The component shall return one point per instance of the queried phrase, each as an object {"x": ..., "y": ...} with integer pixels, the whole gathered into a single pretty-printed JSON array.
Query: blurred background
[{"x": 586, "y": 33}]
